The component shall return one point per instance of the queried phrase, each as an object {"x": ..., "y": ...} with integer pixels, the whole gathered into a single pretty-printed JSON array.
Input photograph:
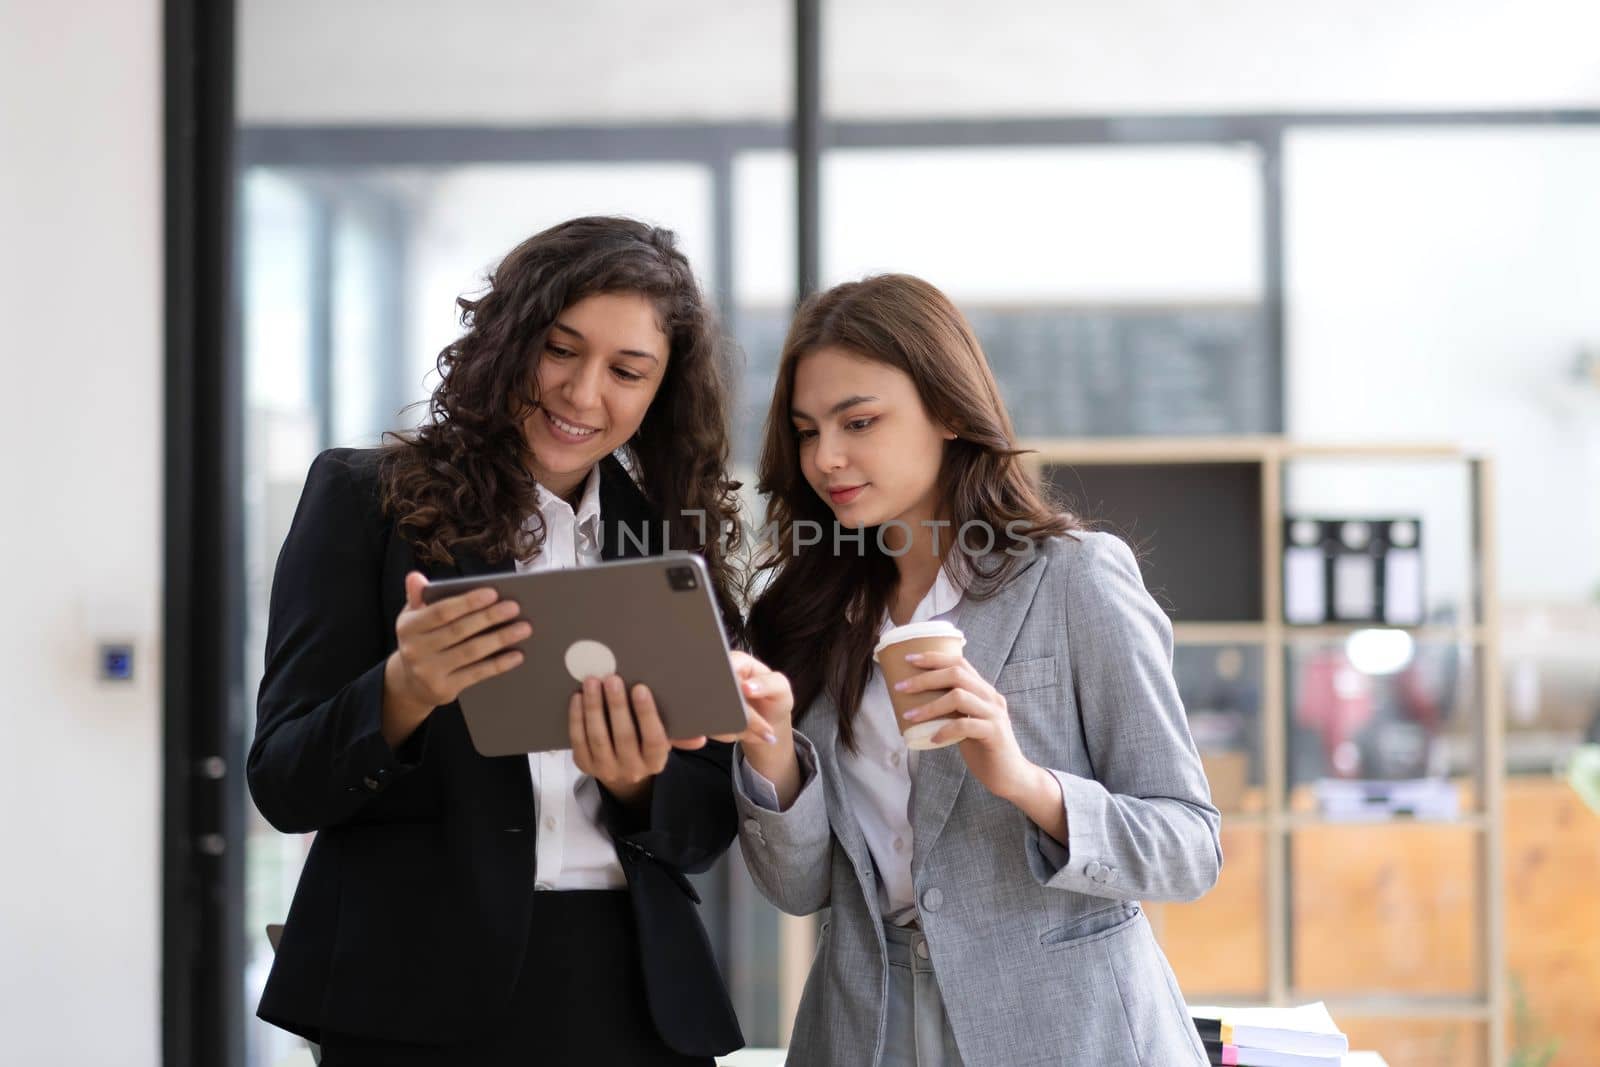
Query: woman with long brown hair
[
  {"x": 459, "y": 909},
  {"x": 982, "y": 870}
]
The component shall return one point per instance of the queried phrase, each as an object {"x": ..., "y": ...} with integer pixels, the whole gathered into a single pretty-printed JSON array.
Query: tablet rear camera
[{"x": 682, "y": 579}]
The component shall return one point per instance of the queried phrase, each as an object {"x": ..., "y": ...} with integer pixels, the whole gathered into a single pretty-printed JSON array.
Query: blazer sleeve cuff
[
  {"x": 765, "y": 793},
  {"x": 760, "y": 818},
  {"x": 759, "y": 789},
  {"x": 1080, "y": 866},
  {"x": 366, "y": 764}
]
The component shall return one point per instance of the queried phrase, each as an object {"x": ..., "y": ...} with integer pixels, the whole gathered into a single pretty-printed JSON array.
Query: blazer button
[
  {"x": 1093, "y": 870},
  {"x": 932, "y": 900},
  {"x": 371, "y": 783}
]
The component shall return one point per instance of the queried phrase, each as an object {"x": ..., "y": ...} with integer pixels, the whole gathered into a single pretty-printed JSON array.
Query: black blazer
[{"x": 410, "y": 920}]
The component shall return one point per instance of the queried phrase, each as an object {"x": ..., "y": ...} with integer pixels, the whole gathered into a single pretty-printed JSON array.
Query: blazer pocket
[
  {"x": 1027, "y": 674},
  {"x": 1097, "y": 925}
]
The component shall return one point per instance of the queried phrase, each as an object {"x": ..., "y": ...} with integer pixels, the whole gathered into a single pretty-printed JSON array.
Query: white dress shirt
[
  {"x": 877, "y": 776},
  {"x": 573, "y": 850}
]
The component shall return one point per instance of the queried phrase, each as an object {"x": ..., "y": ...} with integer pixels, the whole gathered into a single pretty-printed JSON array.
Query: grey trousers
[{"x": 918, "y": 1031}]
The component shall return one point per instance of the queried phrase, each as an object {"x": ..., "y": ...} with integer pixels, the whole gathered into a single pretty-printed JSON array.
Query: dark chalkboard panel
[
  {"x": 1196, "y": 528},
  {"x": 1077, "y": 371}
]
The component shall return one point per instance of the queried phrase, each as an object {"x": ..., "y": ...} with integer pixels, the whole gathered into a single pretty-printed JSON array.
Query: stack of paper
[{"x": 1271, "y": 1037}]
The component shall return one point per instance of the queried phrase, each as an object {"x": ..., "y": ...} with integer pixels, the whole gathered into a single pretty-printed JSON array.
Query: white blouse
[
  {"x": 877, "y": 776},
  {"x": 573, "y": 850}
]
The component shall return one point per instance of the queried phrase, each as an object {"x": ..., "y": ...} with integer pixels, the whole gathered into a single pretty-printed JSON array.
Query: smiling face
[
  {"x": 604, "y": 361},
  {"x": 867, "y": 445}
]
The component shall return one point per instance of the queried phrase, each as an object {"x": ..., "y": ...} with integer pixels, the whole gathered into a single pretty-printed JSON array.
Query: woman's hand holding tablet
[
  {"x": 445, "y": 647},
  {"x": 618, "y": 737},
  {"x": 619, "y": 745}
]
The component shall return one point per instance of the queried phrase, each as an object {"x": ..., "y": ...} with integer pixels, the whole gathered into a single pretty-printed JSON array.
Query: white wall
[{"x": 80, "y": 294}]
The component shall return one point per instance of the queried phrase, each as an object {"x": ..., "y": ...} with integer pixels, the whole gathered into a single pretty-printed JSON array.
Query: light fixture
[{"x": 1375, "y": 652}]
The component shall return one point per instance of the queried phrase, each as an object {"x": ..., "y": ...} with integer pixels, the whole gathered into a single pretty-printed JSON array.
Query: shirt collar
[
  {"x": 587, "y": 517},
  {"x": 939, "y": 600}
]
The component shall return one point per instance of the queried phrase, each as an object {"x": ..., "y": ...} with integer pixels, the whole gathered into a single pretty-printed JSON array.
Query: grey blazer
[{"x": 1042, "y": 955}]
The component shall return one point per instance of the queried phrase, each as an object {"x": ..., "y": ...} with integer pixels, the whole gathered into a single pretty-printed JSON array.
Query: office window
[
  {"x": 942, "y": 59},
  {"x": 1116, "y": 290},
  {"x": 390, "y": 159}
]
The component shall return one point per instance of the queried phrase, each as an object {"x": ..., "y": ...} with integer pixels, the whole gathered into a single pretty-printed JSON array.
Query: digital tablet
[{"x": 652, "y": 621}]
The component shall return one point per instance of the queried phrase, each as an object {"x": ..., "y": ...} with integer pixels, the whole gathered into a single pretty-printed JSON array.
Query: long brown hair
[
  {"x": 819, "y": 617},
  {"x": 461, "y": 483}
]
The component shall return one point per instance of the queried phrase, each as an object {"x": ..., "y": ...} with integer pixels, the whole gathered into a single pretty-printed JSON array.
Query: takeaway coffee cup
[{"x": 891, "y": 654}]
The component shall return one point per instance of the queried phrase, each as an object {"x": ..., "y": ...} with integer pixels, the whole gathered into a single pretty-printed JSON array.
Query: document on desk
[{"x": 1305, "y": 1036}]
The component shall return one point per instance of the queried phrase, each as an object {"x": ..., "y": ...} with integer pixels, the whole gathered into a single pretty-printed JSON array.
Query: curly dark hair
[{"x": 461, "y": 481}]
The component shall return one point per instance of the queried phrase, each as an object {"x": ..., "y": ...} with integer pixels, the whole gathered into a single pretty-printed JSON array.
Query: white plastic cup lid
[{"x": 914, "y": 630}]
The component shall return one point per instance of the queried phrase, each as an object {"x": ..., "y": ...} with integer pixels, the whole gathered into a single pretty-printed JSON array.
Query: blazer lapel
[
  {"x": 625, "y": 515},
  {"x": 991, "y": 627}
]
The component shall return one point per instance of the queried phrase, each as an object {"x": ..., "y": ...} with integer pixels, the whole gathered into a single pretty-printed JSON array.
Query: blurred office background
[{"x": 1359, "y": 223}]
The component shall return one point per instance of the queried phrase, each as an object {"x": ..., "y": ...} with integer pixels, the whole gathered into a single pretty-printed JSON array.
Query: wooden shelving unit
[{"x": 1250, "y": 474}]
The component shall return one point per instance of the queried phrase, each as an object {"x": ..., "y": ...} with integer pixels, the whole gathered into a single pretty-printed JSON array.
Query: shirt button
[
  {"x": 932, "y": 900},
  {"x": 752, "y": 825},
  {"x": 894, "y": 759},
  {"x": 899, "y": 844},
  {"x": 551, "y": 824}
]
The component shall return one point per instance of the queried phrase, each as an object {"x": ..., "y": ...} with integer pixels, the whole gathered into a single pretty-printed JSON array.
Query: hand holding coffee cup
[{"x": 891, "y": 653}]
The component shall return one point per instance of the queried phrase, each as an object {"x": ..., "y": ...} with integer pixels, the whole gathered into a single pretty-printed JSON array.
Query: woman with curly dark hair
[{"x": 460, "y": 909}]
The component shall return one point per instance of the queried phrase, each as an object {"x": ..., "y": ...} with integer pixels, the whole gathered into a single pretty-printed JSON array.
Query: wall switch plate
[{"x": 115, "y": 661}]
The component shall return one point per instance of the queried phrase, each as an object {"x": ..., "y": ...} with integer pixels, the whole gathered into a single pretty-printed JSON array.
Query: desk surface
[
  {"x": 754, "y": 1057},
  {"x": 773, "y": 1057}
]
